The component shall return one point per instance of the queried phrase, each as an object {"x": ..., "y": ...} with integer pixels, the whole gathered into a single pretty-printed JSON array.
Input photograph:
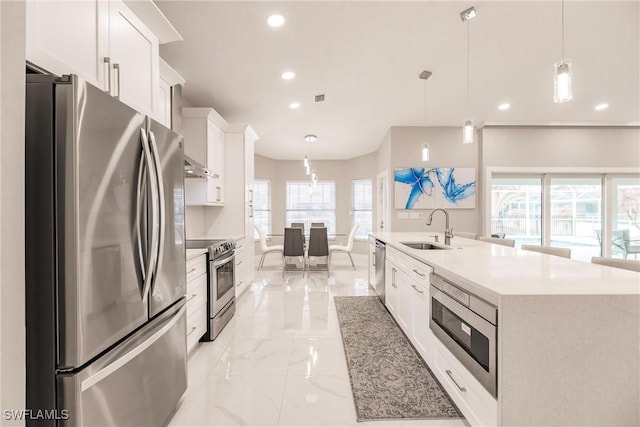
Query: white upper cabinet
[
  {"x": 69, "y": 37},
  {"x": 102, "y": 41},
  {"x": 204, "y": 141},
  {"x": 134, "y": 56}
]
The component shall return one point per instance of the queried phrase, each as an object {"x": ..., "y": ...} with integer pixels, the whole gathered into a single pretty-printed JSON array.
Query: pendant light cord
[
  {"x": 468, "y": 71},
  {"x": 562, "y": 27}
]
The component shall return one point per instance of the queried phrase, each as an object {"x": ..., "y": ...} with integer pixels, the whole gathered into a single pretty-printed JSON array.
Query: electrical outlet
[
  {"x": 403, "y": 215},
  {"x": 415, "y": 215}
]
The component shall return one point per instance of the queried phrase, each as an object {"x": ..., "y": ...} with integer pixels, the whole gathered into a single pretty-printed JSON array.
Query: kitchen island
[{"x": 567, "y": 337}]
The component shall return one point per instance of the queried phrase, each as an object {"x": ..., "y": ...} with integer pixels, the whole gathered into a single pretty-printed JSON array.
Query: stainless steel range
[{"x": 221, "y": 295}]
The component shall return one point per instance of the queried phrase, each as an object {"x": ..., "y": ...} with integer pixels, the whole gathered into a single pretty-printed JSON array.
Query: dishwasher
[{"x": 379, "y": 263}]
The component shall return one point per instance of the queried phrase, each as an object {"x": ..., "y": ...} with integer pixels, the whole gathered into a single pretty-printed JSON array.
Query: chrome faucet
[{"x": 448, "y": 233}]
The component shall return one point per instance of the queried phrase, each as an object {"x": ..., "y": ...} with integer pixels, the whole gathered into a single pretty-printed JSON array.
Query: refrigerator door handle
[
  {"x": 139, "y": 220},
  {"x": 131, "y": 354},
  {"x": 153, "y": 250},
  {"x": 161, "y": 200}
]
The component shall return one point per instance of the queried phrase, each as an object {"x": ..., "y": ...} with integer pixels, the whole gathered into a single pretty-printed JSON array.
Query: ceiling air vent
[{"x": 318, "y": 98}]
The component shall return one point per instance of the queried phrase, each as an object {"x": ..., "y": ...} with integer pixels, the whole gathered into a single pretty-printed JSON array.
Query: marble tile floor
[{"x": 280, "y": 361}]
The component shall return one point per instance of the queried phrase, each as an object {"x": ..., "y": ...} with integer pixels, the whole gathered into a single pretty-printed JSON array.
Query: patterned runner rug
[{"x": 389, "y": 380}]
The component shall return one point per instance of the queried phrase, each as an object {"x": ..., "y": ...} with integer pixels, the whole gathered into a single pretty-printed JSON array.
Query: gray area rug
[{"x": 389, "y": 380}]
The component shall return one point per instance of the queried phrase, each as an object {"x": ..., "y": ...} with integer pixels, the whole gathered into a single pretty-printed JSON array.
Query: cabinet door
[
  {"x": 391, "y": 288},
  {"x": 134, "y": 59},
  {"x": 163, "y": 110},
  {"x": 216, "y": 161},
  {"x": 372, "y": 263},
  {"x": 421, "y": 335},
  {"x": 405, "y": 294},
  {"x": 69, "y": 37}
]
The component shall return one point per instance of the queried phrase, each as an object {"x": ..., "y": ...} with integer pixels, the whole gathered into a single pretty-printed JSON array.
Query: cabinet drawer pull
[
  {"x": 240, "y": 283},
  {"x": 393, "y": 278},
  {"x": 192, "y": 297},
  {"x": 193, "y": 328},
  {"x": 373, "y": 258},
  {"x": 192, "y": 270},
  {"x": 239, "y": 262},
  {"x": 417, "y": 290},
  {"x": 462, "y": 389},
  {"x": 418, "y": 273}
]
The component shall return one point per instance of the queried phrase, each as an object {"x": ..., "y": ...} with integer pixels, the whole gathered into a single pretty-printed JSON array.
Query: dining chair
[
  {"x": 293, "y": 247},
  {"x": 317, "y": 224},
  {"x": 498, "y": 241},
  {"x": 264, "y": 248},
  {"x": 318, "y": 245},
  {"x": 549, "y": 250},
  {"x": 627, "y": 264},
  {"x": 346, "y": 248},
  {"x": 465, "y": 234},
  {"x": 298, "y": 225}
]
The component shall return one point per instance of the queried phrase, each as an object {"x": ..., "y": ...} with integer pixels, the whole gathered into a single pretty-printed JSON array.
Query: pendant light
[
  {"x": 467, "y": 128},
  {"x": 308, "y": 138},
  {"x": 562, "y": 72},
  {"x": 425, "y": 146}
]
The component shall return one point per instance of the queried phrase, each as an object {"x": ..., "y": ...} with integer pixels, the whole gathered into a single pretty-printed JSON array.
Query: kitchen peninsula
[{"x": 567, "y": 341}]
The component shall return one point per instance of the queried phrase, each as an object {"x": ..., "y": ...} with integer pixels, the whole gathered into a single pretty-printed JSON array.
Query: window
[
  {"x": 261, "y": 206},
  {"x": 362, "y": 206},
  {"x": 574, "y": 214},
  {"x": 307, "y": 204}
]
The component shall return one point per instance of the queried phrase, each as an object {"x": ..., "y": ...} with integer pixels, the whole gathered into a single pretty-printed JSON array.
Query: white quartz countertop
[
  {"x": 192, "y": 253},
  {"x": 494, "y": 271}
]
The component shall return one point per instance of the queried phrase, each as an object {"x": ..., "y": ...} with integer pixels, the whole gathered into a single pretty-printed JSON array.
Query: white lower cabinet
[
  {"x": 196, "y": 300},
  {"x": 479, "y": 407},
  {"x": 421, "y": 335},
  {"x": 241, "y": 271},
  {"x": 408, "y": 300},
  {"x": 391, "y": 288}
]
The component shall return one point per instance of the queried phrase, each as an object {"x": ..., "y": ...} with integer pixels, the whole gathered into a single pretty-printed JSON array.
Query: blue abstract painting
[{"x": 421, "y": 188}]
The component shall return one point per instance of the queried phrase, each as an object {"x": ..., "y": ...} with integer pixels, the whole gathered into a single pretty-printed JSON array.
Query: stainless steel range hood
[{"x": 193, "y": 169}]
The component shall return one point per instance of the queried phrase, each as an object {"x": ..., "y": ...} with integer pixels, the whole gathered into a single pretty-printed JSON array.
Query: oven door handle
[{"x": 220, "y": 261}]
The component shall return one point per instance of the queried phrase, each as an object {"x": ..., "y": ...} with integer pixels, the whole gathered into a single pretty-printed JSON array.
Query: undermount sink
[{"x": 423, "y": 245}]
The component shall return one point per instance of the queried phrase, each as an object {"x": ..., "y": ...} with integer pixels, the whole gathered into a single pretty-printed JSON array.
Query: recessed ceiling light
[
  {"x": 275, "y": 20},
  {"x": 310, "y": 138},
  {"x": 294, "y": 105},
  {"x": 504, "y": 106},
  {"x": 602, "y": 106},
  {"x": 288, "y": 75}
]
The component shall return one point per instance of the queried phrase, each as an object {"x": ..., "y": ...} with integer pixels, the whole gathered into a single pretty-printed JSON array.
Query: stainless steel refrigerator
[{"x": 105, "y": 259}]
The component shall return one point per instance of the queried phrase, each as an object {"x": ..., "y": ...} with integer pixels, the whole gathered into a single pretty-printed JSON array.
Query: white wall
[
  {"x": 446, "y": 150},
  {"x": 560, "y": 147},
  {"x": 12, "y": 280},
  {"x": 278, "y": 172}
]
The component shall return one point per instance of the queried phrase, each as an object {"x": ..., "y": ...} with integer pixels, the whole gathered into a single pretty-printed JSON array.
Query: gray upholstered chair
[
  {"x": 264, "y": 248},
  {"x": 317, "y": 224},
  {"x": 318, "y": 245},
  {"x": 549, "y": 250},
  {"x": 627, "y": 264},
  {"x": 498, "y": 241},
  {"x": 466, "y": 235},
  {"x": 293, "y": 247}
]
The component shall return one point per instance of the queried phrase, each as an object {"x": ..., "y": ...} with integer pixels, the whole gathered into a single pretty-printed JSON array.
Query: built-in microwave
[{"x": 467, "y": 326}]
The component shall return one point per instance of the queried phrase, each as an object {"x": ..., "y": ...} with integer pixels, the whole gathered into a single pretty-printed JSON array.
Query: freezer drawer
[{"x": 138, "y": 383}]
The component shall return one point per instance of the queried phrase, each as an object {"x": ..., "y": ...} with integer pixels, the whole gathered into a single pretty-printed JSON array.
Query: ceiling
[{"x": 366, "y": 57}]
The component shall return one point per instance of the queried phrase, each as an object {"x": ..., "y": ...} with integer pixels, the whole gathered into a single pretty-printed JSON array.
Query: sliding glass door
[
  {"x": 516, "y": 209},
  {"x": 569, "y": 210},
  {"x": 625, "y": 217},
  {"x": 575, "y": 219}
]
